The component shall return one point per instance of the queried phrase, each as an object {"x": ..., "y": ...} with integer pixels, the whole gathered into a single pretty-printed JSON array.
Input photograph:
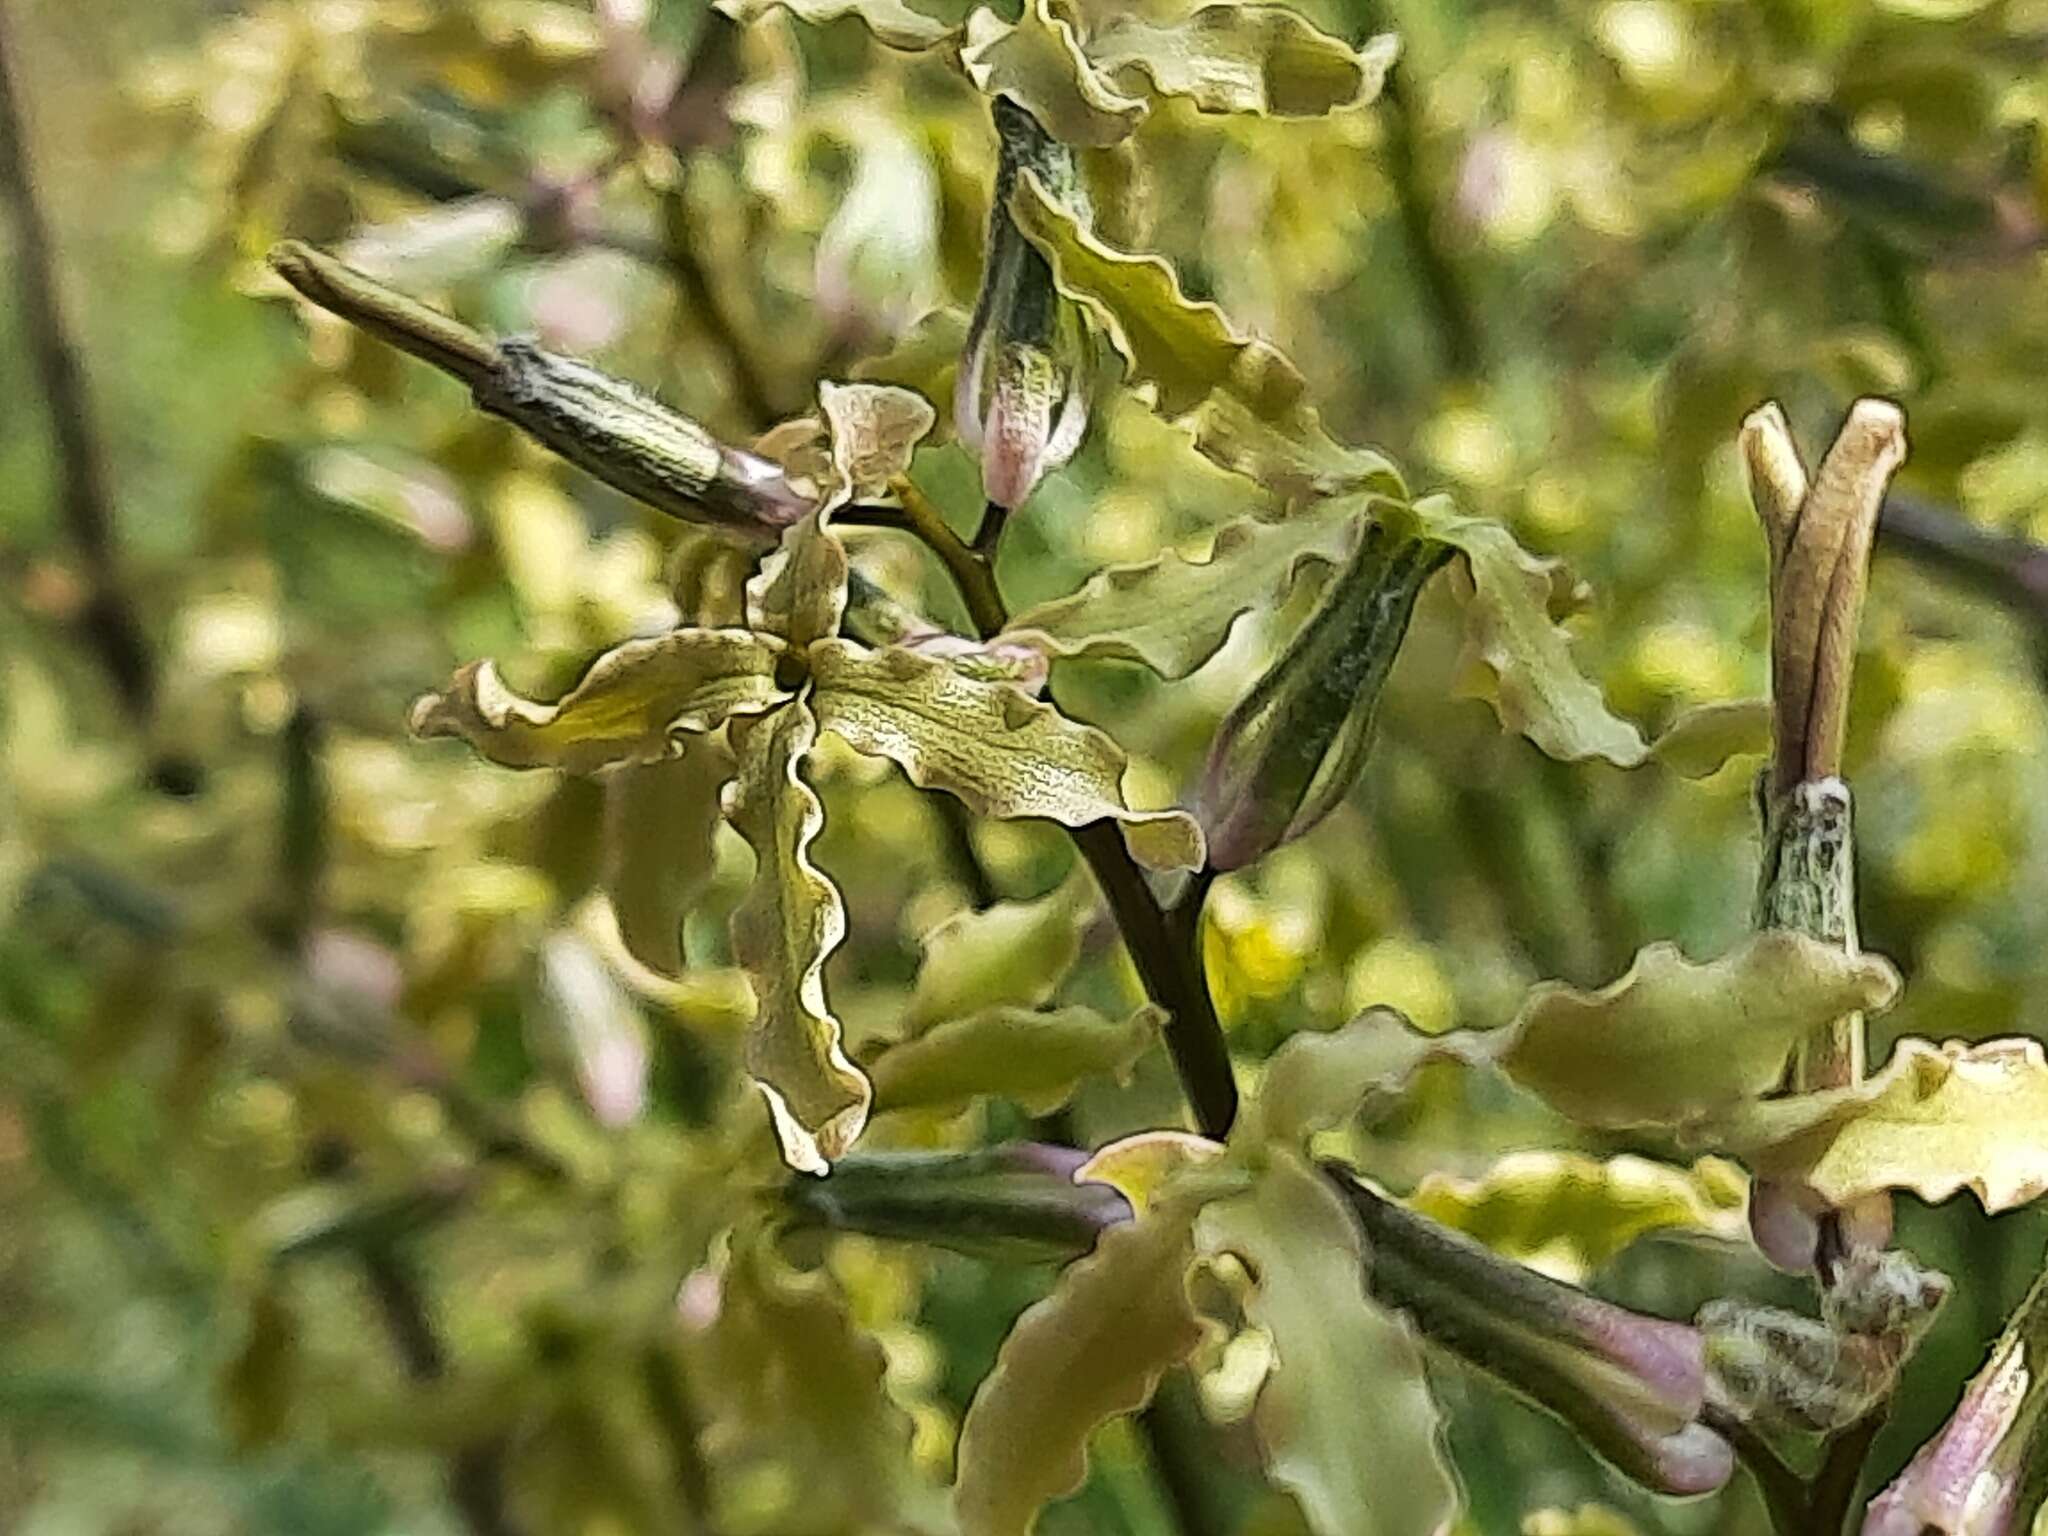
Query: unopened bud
[
  {"x": 1021, "y": 400},
  {"x": 1633, "y": 1387},
  {"x": 1292, "y": 748},
  {"x": 1985, "y": 1472},
  {"x": 1017, "y": 1201}
]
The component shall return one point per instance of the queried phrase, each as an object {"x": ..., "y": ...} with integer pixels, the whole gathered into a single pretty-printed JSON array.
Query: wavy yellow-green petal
[
  {"x": 1675, "y": 1041},
  {"x": 790, "y": 1382},
  {"x": 1519, "y": 660},
  {"x": 628, "y": 708},
  {"x": 1293, "y": 458},
  {"x": 1264, "y": 59},
  {"x": 874, "y": 430},
  {"x": 799, "y": 594},
  {"x": 1318, "y": 1080},
  {"x": 1567, "y": 1214},
  {"x": 1095, "y": 1348},
  {"x": 1038, "y": 1058},
  {"x": 1037, "y": 62},
  {"x": 1380, "y": 1473},
  {"x": 1172, "y": 614},
  {"x": 1185, "y": 349},
  {"x": 1002, "y": 753},
  {"x": 789, "y": 922},
  {"x": 924, "y": 358},
  {"x": 1011, "y": 954},
  {"x": 891, "y": 21},
  {"x": 1141, "y": 1167},
  {"x": 659, "y": 819},
  {"x": 1936, "y": 1120}
]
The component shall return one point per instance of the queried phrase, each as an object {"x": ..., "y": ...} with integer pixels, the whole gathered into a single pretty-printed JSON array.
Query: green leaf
[
  {"x": 1013, "y": 953},
  {"x": 799, "y": 595},
  {"x": 659, "y": 823},
  {"x": 1003, "y": 754},
  {"x": 628, "y": 708},
  {"x": 1036, "y": 1058},
  {"x": 891, "y": 21},
  {"x": 1265, "y": 59},
  {"x": 791, "y": 919},
  {"x": 1173, "y": 614},
  {"x": 1567, "y": 1214},
  {"x": 1355, "y": 1474},
  {"x": 1093, "y": 1349},
  {"x": 1037, "y": 62},
  {"x": 1673, "y": 1041},
  {"x": 1185, "y": 349},
  {"x": 1937, "y": 1119},
  {"x": 1519, "y": 660}
]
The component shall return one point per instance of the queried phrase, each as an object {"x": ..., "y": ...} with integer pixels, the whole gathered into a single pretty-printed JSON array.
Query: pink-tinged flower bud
[
  {"x": 1633, "y": 1387},
  {"x": 1292, "y": 748},
  {"x": 1985, "y": 1472},
  {"x": 1017, "y": 1201},
  {"x": 1021, "y": 400}
]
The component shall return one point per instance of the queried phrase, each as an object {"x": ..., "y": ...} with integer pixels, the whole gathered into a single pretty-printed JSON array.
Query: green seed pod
[
  {"x": 1021, "y": 401},
  {"x": 618, "y": 432},
  {"x": 1293, "y": 746}
]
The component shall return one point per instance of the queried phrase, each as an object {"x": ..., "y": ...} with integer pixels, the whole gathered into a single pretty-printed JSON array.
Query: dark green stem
[
  {"x": 1450, "y": 305},
  {"x": 1833, "y": 1491},
  {"x": 1163, "y": 950}
]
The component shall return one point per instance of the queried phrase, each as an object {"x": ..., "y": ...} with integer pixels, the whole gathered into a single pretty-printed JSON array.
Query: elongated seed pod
[
  {"x": 625, "y": 437},
  {"x": 614, "y": 430}
]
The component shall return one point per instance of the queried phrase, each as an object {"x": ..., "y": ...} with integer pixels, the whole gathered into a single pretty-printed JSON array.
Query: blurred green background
[{"x": 348, "y": 1170}]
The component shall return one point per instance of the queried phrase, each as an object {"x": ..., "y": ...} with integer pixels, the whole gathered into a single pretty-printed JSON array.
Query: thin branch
[
  {"x": 1835, "y": 1485},
  {"x": 990, "y": 533},
  {"x": 1450, "y": 305},
  {"x": 1784, "y": 1493},
  {"x": 110, "y": 619},
  {"x": 476, "y": 1473},
  {"x": 661, "y": 1376},
  {"x": 2010, "y": 571},
  {"x": 680, "y": 259}
]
